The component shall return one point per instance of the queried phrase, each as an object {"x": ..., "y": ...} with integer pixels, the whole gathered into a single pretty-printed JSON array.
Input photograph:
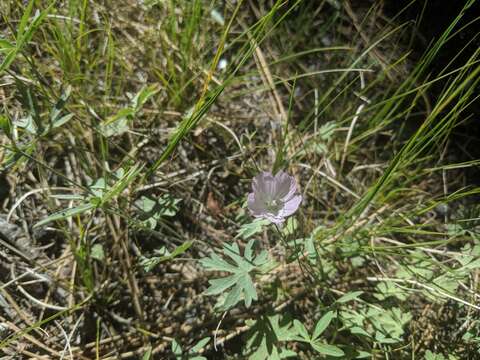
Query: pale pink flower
[{"x": 273, "y": 197}]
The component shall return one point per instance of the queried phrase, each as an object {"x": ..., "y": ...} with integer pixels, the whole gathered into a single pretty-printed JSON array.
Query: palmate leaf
[
  {"x": 250, "y": 229},
  {"x": 216, "y": 263},
  {"x": 266, "y": 338},
  {"x": 239, "y": 284},
  {"x": 217, "y": 286},
  {"x": 233, "y": 252}
]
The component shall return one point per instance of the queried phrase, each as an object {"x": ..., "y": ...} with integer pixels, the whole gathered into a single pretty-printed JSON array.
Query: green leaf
[
  {"x": 148, "y": 354},
  {"x": 302, "y": 331},
  {"x": 248, "y": 230},
  {"x": 117, "y": 124},
  {"x": 217, "y": 286},
  {"x": 145, "y": 204},
  {"x": 65, "y": 214},
  {"x": 248, "y": 253},
  {"x": 216, "y": 263},
  {"x": 122, "y": 184},
  {"x": 179, "y": 250},
  {"x": 388, "y": 289},
  {"x": 349, "y": 297},
  {"x": 327, "y": 130},
  {"x": 24, "y": 33},
  {"x": 199, "y": 346},
  {"x": 239, "y": 281},
  {"x": 149, "y": 263},
  {"x": 432, "y": 356},
  {"x": 266, "y": 336},
  {"x": 143, "y": 95},
  {"x": 97, "y": 252},
  {"x": 176, "y": 349},
  {"x": 6, "y": 126},
  {"x": 357, "y": 330},
  {"x": 55, "y": 119},
  {"x": 28, "y": 124},
  {"x": 290, "y": 226},
  {"x": 62, "y": 120},
  {"x": 233, "y": 252},
  {"x": 217, "y": 17},
  {"x": 23, "y": 21},
  {"x": 68, "y": 197},
  {"x": 363, "y": 355},
  {"x": 8, "y": 59},
  {"x": 322, "y": 324},
  {"x": 233, "y": 297},
  {"x": 166, "y": 205},
  {"x": 85, "y": 268},
  {"x": 99, "y": 187},
  {"x": 5, "y": 45},
  {"x": 327, "y": 349},
  {"x": 261, "y": 259},
  {"x": 245, "y": 282}
]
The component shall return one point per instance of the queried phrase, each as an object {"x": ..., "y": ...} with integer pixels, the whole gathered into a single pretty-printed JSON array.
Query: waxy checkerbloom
[{"x": 273, "y": 197}]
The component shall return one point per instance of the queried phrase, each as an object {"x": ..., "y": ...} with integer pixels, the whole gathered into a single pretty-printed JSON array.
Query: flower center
[{"x": 273, "y": 206}]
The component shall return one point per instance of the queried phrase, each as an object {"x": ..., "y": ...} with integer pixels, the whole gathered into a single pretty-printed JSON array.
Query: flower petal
[
  {"x": 286, "y": 186},
  {"x": 291, "y": 206},
  {"x": 274, "y": 219},
  {"x": 262, "y": 183},
  {"x": 255, "y": 205}
]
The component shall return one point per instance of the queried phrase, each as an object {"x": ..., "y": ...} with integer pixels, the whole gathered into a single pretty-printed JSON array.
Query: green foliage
[
  {"x": 193, "y": 353},
  {"x": 67, "y": 213},
  {"x": 382, "y": 325},
  {"x": 319, "y": 145},
  {"x": 435, "y": 356},
  {"x": 152, "y": 211},
  {"x": 246, "y": 231},
  {"x": 26, "y": 132},
  {"x": 25, "y": 30},
  {"x": 148, "y": 354},
  {"x": 162, "y": 255},
  {"x": 239, "y": 285},
  {"x": 290, "y": 226},
  {"x": 56, "y": 118},
  {"x": 350, "y": 296},
  {"x": 85, "y": 269},
  {"x": 97, "y": 252},
  {"x": 314, "y": 340},
  {"x": 119, "y": 123},
  {"x": 101, "y": 193},
  {"x": 267, "y": 336},
  {"x": 388, "y": 289},
  {"x": 6, "y": 126}
]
